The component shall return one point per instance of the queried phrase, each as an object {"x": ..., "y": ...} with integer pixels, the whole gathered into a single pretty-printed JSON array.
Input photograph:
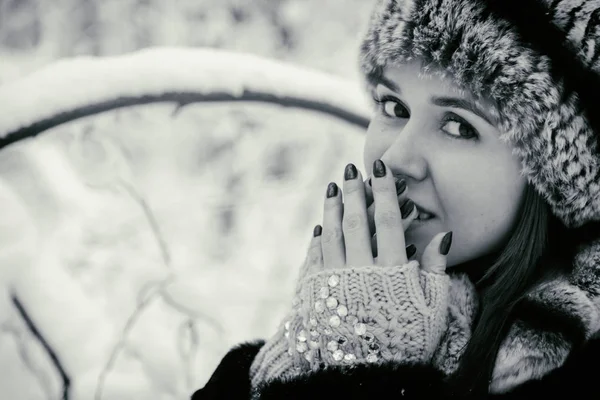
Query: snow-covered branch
[{"x": 79, "y": 87}]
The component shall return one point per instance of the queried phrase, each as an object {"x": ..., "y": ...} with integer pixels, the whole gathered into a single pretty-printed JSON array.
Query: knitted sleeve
[{"x": 367, "y": 314}]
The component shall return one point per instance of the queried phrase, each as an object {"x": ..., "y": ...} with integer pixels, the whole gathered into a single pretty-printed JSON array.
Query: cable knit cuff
[
  {"x": 372, "y": 314},
  {"x": 354, "y": 315}
]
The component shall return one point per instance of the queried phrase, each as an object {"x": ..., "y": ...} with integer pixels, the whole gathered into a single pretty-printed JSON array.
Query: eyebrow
[
  {"x": 463, "y": 104},
  {"x": 382, "y": 80},
  {"x": 452, "y": 102}
]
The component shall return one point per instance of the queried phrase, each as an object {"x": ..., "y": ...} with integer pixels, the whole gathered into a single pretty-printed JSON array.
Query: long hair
[{"x": 535, "y": 251}]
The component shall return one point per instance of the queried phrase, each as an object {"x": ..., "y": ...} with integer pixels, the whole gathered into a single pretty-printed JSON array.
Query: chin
[{"x": 420, "y": 233}]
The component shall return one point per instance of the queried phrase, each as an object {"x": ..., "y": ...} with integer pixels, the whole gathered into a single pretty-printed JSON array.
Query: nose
[{"x": 406, "y": 152}]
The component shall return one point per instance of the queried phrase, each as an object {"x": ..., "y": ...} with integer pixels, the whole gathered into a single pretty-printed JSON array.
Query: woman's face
[{"x": 448, "y": 150}]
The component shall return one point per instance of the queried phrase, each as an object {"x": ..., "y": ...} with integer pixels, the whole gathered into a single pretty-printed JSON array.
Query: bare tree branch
[{"x": 51, "y": 353}]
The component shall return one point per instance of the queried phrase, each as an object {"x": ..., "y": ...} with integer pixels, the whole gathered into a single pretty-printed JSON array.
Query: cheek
[
  {"x": 378, "y": 139},
  {"x": 373, "y": 148},
  {"x": 481, "y": 206}
]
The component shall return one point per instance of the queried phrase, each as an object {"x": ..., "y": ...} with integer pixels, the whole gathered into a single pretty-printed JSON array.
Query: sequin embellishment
[{"x": 333, "y": 280}]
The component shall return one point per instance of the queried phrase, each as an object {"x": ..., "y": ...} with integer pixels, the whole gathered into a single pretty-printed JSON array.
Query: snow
[
  {"x": 145, "y": 243},
  {"x": 70, "y": 83}
]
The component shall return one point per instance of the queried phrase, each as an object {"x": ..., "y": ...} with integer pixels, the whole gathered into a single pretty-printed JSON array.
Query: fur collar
[{"x": 553, "y": 319}]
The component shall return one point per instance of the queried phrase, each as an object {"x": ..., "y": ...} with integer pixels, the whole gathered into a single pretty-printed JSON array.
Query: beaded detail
[
  {"x": 301, "y": 347},
  {"x": 338, "y": 355},
  {"x": 302, "y": 336},
  {"x": 333, "y": 280},
  {"x": 360, "y": 329},
  {"x": 332, "y": 346},
  {"x": 319, "y": 306},
  {"x": 324, "y": 292},
  {"x": 335, "y": 321},
  {"x": 331, "y": 302}
]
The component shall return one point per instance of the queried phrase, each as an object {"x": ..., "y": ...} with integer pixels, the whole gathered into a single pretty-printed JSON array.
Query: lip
[{"x": 420, "y": 209}]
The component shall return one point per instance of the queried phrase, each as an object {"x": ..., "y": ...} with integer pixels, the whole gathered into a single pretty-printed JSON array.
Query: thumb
[{"x": 434, "y": 255}]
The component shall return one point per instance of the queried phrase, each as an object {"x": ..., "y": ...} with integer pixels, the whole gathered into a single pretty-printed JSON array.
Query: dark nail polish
[
  {"x": 378, "y": 169},
  {"x": 406, "y": 208},
  {"x": 445, "y": 244},
  {"x": 370, "y": 182},
  {"x": 410, "y": 251},
  {"x": 332, "y": 190},
  {"x": 350, "y": 172},
  {"x": 317, "y": 231},
  {"x": 400, "y": 186}
]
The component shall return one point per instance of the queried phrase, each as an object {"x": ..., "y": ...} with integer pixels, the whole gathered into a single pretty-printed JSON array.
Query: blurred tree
[{"x": 19, "y": 24}]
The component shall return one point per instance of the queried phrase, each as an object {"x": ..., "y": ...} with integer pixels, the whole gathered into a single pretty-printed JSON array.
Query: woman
[{"x": 485, "y": 162}]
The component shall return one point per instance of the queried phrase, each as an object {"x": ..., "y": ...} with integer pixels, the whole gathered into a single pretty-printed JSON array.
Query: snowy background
[{"x": 138, "y": 245}]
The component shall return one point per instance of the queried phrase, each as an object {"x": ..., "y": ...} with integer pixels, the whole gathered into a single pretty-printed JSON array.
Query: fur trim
[
  {"x": 576, "y": 379},
  {"x": 586, "y": 274},
  {"x": 231, "y": 379},
  {"x": 563, "y": 307},
  {"x": 527, "y": 354},
  {"x": 463, "y": 304},
  {"x": 537, "y": 61}
]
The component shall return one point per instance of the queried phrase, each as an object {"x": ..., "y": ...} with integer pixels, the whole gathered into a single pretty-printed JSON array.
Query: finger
[
  {"x": 332, "y": 239},
  {"x": 357, "y": 239},
  {"x": 402, "y": 196},
  {"x": 411, "y": 250},
  {"x": 314, "y": 258},
  {"x": 374, "y": 245},
  {"x": 434, "y": 255},
  {"x": 312, "y": 262},
  {"x": 388, "y": 220},
  {"x": 368, "y": 193},
  {"x": 409, "y": 212}
]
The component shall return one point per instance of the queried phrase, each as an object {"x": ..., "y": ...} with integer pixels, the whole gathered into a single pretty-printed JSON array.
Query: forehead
[{"x": 416, "y": 75}]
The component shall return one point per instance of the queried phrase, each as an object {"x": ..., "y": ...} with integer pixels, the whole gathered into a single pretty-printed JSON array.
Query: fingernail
[
  {"x": 378, "y": 169},
  {"x": 350, "y": 172},
  {"x": 332, "y": 190},
  {"x": 369, "y": 182},
  {"x": 445, "y": 244},
  {"x": 410, "y": 251},
  {"x": 400, "y": 186},
  {"x": 317, "y": 231},
  {"x": 406, "y": 208}
]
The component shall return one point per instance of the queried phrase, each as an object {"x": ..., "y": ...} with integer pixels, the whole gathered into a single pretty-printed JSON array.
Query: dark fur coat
[
  {"x": 576, "y": 380},
  {"x": 552, "y": 351}
]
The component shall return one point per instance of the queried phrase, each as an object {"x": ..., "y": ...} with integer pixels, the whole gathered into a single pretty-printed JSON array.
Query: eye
[
  {"x": 458, "y": 128},
  {"x": 392, "y": 107}
]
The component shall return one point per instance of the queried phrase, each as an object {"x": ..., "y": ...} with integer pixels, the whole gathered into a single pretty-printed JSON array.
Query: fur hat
[{"x": 536, "y": 60}]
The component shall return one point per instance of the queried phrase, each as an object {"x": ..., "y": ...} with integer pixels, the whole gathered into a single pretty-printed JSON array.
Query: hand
[
  {"x": 346, "y": 238},
  {"x": 347, "y": 308}
]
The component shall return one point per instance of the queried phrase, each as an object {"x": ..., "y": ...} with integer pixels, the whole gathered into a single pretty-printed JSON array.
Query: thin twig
[
  {"x": 29, "y": 364},
  {"x": 162, "y": 244},
  {"x": 131, "y": 321},
  {"x": 66, "y": 381}
]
